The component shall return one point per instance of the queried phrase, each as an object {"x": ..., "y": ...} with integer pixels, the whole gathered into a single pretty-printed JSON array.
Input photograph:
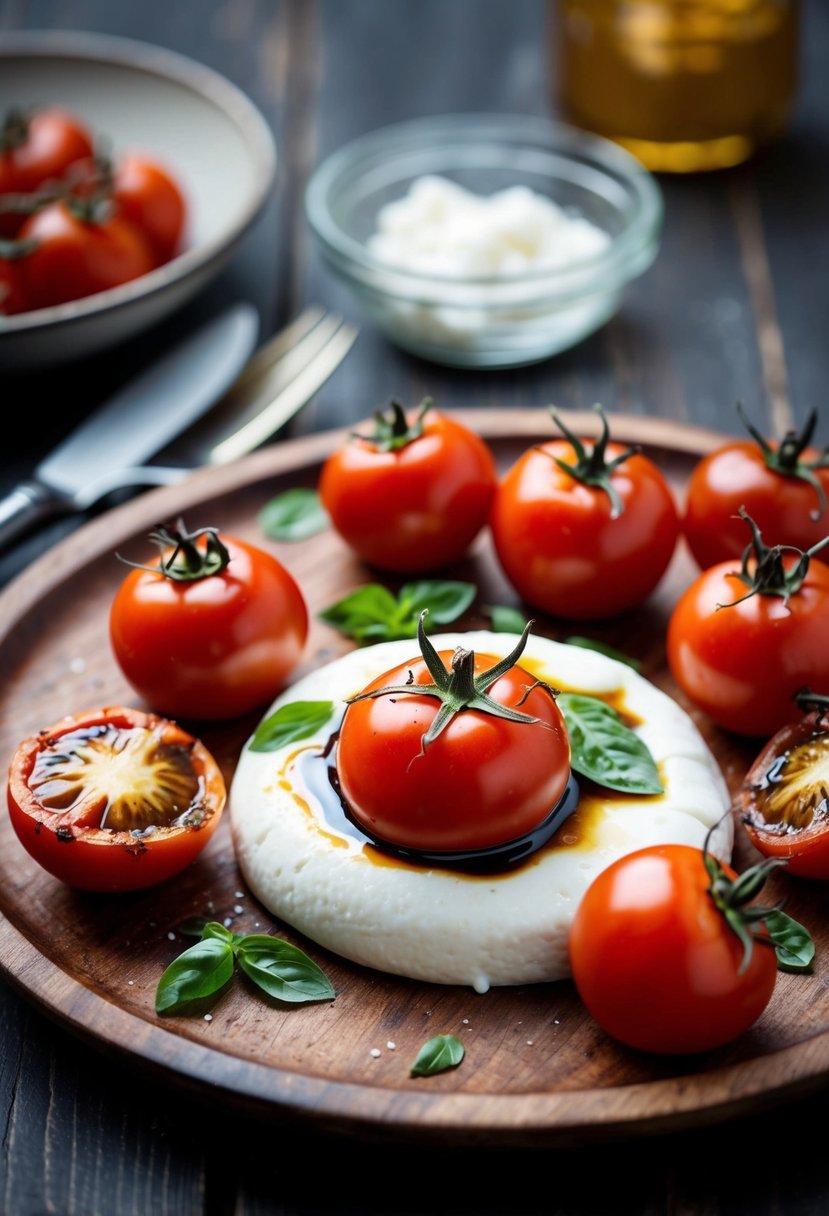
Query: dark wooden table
[{"x": 734, "y": 308}]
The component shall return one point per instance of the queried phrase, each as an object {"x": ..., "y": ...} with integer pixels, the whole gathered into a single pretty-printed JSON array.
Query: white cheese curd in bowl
[
  {"x": 441, "y": 228},
  {"x": 485, "y": 240},
  {"x": 317, "y": 873}
]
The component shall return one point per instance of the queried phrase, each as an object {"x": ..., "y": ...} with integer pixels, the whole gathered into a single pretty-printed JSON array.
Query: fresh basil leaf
[
  {"x": 793, "y": 943},
  {"x": 196, "y": 975},
  {"x": 442, "y": 1052},
  {"x": 295, "y": 720},
  {"x": 373, "y": 614},
  {"x": 212, "y": 929},
  {"x": 294, "y": 515},
  {"x": 604, "y": 749},
  {"x": 282, "y": 970},
  {"x": 445, "y": 601},
  {"x": 363, "y": 614},
  {"x": 610, "y": 651},
  {"x": 505, "y": 619}
]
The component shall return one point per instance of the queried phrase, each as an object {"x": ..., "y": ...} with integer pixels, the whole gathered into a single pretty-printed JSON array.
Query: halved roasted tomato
[
  {"x": 114, "y": 799},
  {"x": 785, "y": 796}
]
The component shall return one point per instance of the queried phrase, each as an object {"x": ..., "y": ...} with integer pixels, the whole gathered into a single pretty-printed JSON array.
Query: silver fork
[{"x": 279, "y": 379}]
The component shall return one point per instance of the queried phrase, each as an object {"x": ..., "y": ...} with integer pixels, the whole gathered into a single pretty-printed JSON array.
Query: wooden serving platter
[{"x": 537, "y": 1070}]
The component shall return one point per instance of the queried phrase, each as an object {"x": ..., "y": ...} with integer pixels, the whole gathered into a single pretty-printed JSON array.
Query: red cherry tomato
[
  {"x": 148, "y": 196},
  {"x": 588, "y": 540},
  {"x": 784, "y": 798},
  {"x": 781, "y": 487},
  {"x": 414, "y": 494},
  {"x": 742, "y": 641},
  {"x": 482, "y": 781},
  {"x": 114, "y": 799},
  {"x": 12, "y": 297},
  {"x": 36, "y": 149},
  {"x": 77, "y": 257},
  {"x": 214, "y": 644},
  {"x": 655, "y": 961}
]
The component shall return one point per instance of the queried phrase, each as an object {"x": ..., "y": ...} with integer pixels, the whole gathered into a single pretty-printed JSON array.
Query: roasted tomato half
[
  {"x": 114, "y": 799},
  {"x": 785, "y": 796}
]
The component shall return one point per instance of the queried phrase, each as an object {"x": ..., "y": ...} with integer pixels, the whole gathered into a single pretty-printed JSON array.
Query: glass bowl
[{"x": 485, "y": 320}]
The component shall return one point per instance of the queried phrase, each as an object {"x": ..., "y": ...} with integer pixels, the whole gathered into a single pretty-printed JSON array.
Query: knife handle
[{"x": 27, "y": 504}]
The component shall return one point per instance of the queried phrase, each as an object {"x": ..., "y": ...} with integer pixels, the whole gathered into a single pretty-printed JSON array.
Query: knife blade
[{"x": 107, "y": 449}]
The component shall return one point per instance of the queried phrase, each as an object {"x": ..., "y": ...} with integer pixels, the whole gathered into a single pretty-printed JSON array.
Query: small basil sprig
[
  {"x": 793, "y": 945},
  {"x": 373, "y": 614},
  {"x": 442, "y": 1052},
  {"x": 295, "y": 514},
  {"x": 296, "y": 720},
  {"x": 199, "y": 975},
  {"x": 604, "y": 749}
]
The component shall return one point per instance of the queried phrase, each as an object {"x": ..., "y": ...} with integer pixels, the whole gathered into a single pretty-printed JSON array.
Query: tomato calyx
[
  {"x": 392, "y": 430},
  {"x": 816, "y": 703},
  {"x": 87, "y": 189},
  {"x": 15, "y": 203},
  {"x": 592, "y": 468},
  {"x": 785, "y": 457},
  {"x": 183, "y": 560},
  {"x": 770, "y": 575},
  {"x": 767, "y": 925},
  {"x": 10, "y": 250},
  {"x": 15, "y": 129},
  {"x": 460, "y": 688},
  {"x": 91, "y": 209}
]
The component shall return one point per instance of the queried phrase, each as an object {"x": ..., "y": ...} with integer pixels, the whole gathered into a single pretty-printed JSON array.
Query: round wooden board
[{"x": 537, "y": 1070}]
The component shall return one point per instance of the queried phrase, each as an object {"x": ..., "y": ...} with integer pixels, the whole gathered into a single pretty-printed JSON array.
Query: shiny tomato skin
[
  {"x": 212, "y": 649},
  {"x": 55, "y": 140},
  {"x": 75, "y": 258},
  {"x": 559, "y": 546},
  {"x": 415, "y": 509},
  {"x": 736, "y": 476},
  {"x": 742, "y": 663},
  {"x": 656, "y": 963},
  {"x": 483, "y": 781},
  {"x": 790, "y": 770},
  {"x": 73, "y": 847},
  {"x": 149, "y": 197}
]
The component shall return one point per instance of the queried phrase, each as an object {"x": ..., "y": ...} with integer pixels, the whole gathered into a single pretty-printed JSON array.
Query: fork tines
[
  {"x": 277, "y": 381},
  {"x": 280, "y": 378}
]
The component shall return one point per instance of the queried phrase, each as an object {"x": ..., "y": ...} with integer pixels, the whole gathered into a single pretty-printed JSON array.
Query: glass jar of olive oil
[{"x": 685, "y": 85}]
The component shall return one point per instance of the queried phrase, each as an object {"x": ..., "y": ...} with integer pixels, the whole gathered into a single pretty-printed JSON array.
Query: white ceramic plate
[{"x": 146, "y": 98}]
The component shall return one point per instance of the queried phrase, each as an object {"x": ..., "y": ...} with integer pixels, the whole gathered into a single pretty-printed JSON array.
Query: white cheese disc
[{"x": 318, "y": 875}]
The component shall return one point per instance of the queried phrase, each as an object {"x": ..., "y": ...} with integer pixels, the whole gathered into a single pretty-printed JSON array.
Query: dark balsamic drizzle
[{"x": 318, "y": 772}]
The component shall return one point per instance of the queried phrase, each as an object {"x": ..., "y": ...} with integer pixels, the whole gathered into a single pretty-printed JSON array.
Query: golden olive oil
[{"x": 685, "y": 85}]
